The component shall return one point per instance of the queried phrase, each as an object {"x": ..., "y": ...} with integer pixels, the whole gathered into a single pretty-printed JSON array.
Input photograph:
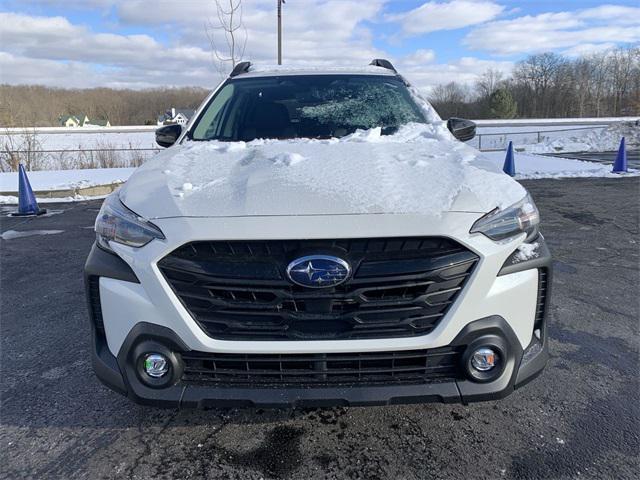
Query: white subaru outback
[{"x": 317, "y": 237}]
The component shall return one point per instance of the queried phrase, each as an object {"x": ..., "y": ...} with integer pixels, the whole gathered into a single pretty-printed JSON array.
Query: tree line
[
  {"x": 545, "y": 85},
  {"x": 549, "y": 85},
  {"x": 40, "y": 106}
]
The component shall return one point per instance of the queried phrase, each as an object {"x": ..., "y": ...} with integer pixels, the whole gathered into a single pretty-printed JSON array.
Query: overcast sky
[{"x": 146, "y": 43}]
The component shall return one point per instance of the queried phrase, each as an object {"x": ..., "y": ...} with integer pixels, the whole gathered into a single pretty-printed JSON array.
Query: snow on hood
[{"x": 420, "y": 169}]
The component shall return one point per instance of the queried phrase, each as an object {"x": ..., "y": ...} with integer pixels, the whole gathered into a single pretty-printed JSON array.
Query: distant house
[
  {"x": 82, "y": 120},
  {"x": 73, "y": 120},
  {"x": 176, "y": 115}
]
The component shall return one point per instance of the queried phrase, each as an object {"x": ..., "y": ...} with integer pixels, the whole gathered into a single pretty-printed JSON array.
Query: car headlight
[
  {"x": 519, "y": 218},
  {"x": 116, "y": 223}
]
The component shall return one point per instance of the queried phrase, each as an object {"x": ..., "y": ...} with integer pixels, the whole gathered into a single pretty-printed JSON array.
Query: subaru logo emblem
[{"x": 318, "y": 271}]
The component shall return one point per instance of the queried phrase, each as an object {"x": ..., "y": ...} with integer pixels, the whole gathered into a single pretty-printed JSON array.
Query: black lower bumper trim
[
  {"x": 203, "y": 397},
  {"x": 105, "y": 365},
  {"x": 120, "y": 374}
]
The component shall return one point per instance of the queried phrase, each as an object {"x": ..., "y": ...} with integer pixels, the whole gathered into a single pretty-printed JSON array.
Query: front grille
[
  {"x": 238, "y": 290},
  {"x": 368, "y": 368}
]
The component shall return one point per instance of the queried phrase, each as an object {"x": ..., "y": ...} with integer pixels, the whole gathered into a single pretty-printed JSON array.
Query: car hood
[{"x": 421, "y": 169}]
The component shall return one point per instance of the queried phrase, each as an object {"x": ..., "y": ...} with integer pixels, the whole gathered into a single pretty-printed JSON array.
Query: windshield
[{"x": 311, "y": 106}]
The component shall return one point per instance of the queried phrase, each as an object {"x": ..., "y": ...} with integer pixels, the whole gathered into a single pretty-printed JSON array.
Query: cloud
[
  {"x": 54, "y": 43},
  {"x": 607, "y": 24},
  {"x": 22, "y": 70},
  {"x": 314, "y": 31},
  {"x": 419, "y": 57},
  {"x": 174, "y": 49},
  {"x": 179, "y": 53},
  {"x": 57, "y": 38},
  {"x": 434, "y": 16},
  {"x": 588, "y": 49},
  {"x": 426, "y": 74}
]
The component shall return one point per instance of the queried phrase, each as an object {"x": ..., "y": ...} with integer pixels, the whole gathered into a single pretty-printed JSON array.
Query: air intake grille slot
[
  {"x": 238, "y": 290},
  {"x": 413, "y": 367},
  {"x": 541, "y": 304},
  {"x": 95, "y": 309}
]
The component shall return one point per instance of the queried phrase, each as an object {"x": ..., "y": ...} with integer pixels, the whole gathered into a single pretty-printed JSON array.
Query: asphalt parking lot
[
  {"x": 633, "y": 157},
  {"x": 580, "y": 419}
]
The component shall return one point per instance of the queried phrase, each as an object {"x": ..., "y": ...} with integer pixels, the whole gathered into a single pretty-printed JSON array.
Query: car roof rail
[
  {"x": 242, "y": 67},
  {"x": 384, "y": 63}
]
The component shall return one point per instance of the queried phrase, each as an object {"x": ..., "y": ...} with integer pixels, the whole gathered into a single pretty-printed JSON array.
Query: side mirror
[
  {"x": 464, "y": 130},
  {"x": 167, "y": 135}
]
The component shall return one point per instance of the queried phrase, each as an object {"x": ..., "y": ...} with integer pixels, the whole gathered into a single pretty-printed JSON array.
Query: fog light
[
  {"x": 484, "y": 359},
  {"x": 156, "y": 365}
]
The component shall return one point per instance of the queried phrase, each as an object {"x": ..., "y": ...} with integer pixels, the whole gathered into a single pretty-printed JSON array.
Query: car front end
[
  {"x": 290, "y": 252},
  {"x": 220, "y": 309}
]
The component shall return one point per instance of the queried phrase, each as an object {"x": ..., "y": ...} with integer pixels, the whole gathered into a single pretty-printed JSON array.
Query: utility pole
[{"x": 280, "y": 2}]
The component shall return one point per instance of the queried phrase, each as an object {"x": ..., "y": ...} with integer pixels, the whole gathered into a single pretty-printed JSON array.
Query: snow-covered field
[
  {"x": 66, "y": 179},
  {"x": 47, "y": 180},
  {"x": 60, "y": 148},
  {"x": 541, "y": 139},
  {"x": 81, "y": 148},
  {"x": 79, "y": 139},
  {"x": 532, "y": 166}
]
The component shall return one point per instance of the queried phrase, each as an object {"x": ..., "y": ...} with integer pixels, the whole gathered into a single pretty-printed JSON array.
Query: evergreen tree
[{"x": 502, "y": 104}]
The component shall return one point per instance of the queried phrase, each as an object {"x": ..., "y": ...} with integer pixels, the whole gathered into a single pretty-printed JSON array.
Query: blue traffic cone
[
  {"x": 509, "y": 162},
  {"x": 620, "y": 165},
  {"x": 27, "y": 204}
]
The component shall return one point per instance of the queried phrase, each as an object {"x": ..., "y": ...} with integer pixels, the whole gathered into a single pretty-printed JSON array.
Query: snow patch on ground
[
  {"x": 599, "y": 140},
  {"x": 66, "y": 179},
  {"x": 13, "y": 200},
  {"x": 531, "y": 167},
  {"x": 12, "y": 234}
]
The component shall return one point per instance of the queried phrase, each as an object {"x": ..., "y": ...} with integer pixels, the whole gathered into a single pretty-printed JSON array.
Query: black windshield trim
[{"x": 189, "y": 134}]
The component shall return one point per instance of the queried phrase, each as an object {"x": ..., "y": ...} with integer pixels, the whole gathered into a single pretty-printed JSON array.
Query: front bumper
[
  {"x": 121, "y": 375},
  {"x": 119, "y": 372}
]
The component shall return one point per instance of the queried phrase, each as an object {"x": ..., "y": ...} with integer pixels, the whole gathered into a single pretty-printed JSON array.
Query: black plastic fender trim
[
  {"x": 104, "y": 264},
  {"x": 542, "y": 260}
]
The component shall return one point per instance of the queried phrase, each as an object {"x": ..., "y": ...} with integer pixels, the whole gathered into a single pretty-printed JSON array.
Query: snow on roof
[{"x": 267, "y": 70}]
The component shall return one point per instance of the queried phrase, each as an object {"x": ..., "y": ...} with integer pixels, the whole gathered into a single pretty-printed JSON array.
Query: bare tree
[
  {"x": 449, "y": 99},
  {"x": 489, "y": 82},
  {"x": 230, "y": 27},
  {"x": 537, "y": 73},
  {"x": 24, "y": 147}
]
